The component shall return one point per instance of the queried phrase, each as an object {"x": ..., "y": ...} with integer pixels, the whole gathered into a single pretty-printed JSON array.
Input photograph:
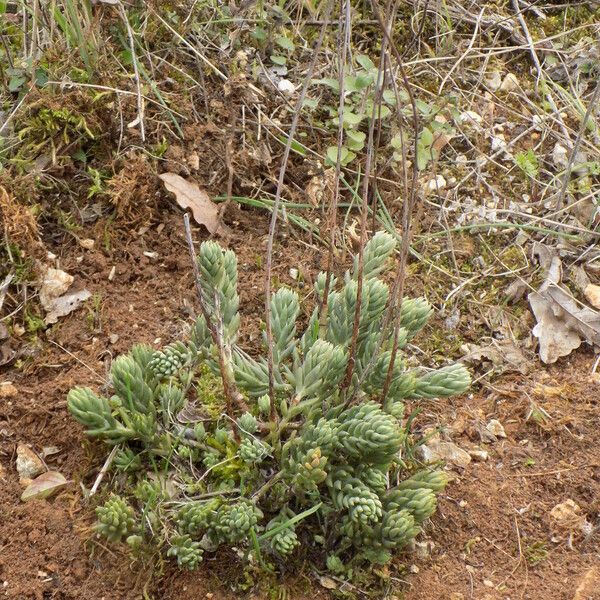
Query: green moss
[
  {"x": 536, "y": 552},
  {"x": 14, "y": 260},
  {"x": 210, "y": 392},
  {"x": 33, "y": 322}
]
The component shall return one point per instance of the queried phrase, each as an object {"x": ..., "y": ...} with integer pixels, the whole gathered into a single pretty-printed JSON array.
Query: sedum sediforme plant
[{"x": 207, "y": 458}]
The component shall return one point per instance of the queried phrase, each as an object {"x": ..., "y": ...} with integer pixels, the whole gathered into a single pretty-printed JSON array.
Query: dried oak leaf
[
  {"x": 189, "y": 195},
  {"x": 561, "y": 323}
]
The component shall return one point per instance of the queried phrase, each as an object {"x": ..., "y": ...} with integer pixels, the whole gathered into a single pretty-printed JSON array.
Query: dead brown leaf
[
  {"x": 189, "y": 195},
  {"x": 561, "y": 323},
  {"x": 592, "y": 294},
  {"x": 505, "y": 356},
  {"x": 65, "y": 305},
  {"x": 441, "y": 141},
  {"x": 44, "y": 486}
]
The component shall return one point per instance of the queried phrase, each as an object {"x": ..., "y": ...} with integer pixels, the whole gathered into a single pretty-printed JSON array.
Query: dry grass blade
[{"x": 592, "y": 105}]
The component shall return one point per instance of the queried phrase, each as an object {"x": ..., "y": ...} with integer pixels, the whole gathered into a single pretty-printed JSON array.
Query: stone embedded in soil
[
  {"x": 423, "y": 549},
  {"x": 494, "y": 81},
  {"x": 592, "y": 293},
  {"x": 87, "y": 243},
  {"x": 438, "y": 183},
  {"x": 435, "y": 451},
  {"x": 509, "y": 83},
  {"x": 479, "y": 455},
  {"x": 567, "y": 516},
  {"x": 54, "y": 283},
  {"x": 496, "y": 428},
  {"x": 8, "y": 390},
  {"x": 29, "y": 464},
  {"x": 589, "y": 586}
]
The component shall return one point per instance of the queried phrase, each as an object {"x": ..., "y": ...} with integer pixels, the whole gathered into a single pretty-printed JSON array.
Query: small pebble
[
  {"x": 438, "y": 183},
  {"x": 285, "y": 86},
  {"x": 509, "y": 83},
  {"x": 479, "y": 455},
  {"x": 8, "y": 390},
  {"x": 87, "y": 243}
]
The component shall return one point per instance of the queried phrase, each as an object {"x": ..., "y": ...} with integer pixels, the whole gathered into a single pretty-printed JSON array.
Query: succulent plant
[
  {"x": 320, "y": 457},
  {"x": 187, "y": 551},
  {"x": 166, "y": 362},
  {"x": 115, "y": 519},
  {"x": 284, "y": 540}
]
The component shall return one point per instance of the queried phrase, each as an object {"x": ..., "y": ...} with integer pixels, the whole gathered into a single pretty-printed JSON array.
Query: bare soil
[{"x": 494, "y": 520}]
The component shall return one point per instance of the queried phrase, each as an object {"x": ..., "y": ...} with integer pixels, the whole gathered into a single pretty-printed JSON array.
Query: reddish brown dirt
[
  {"x": 489, "y": 518},
  {"x": 496, "y": 511},
  {"x": 45, "y": 547}
]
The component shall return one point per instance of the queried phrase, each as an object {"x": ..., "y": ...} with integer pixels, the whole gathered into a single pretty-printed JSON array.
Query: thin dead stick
[
  {"x": 275, "y": 213},
  {"x": 13, "y": 112},
  {"x": 103, "y": 471},
  {"x": 192, "y": 48},
  {"x": 364, "y": 209},
  {"x": 567, "y": 176},
  {"x": 555, "y": 472},
  {"x": 530, "y": 42},
  {"x": 345, "y": 29},
  {"x": 102, "y": 379},
  {"x": 538, "y": 65},
  {"x": 384, "y": 59},
  {"x": 230, "y": 174},
  {"x": 232, "y": 395},
  {"x": 418, "y": 33},
  {"x": 395, "y": 305},
  {"x": 73, "y": 84}
]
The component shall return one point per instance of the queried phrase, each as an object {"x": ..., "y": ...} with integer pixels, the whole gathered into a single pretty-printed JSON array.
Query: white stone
[
  {"x": 494, "y": 81},
  {"x": 470, "y": 117},
  {"x": 498, "y": 142},
  {"x": 285, "y": 86},
  {"x": 509, "y": 83},
  {"x": 479, "y": 455},
  {"x": 87, "y": 243},
  {"x": 29, "y": 464},
  {"x": 438, "y": 183},
  {"x": 560, "y": 156}
]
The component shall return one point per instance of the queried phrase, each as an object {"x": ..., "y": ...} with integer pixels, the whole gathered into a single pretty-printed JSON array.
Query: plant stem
[
  {"x": 265, "y": 488},
  {"x": 232, "y": 395}
]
